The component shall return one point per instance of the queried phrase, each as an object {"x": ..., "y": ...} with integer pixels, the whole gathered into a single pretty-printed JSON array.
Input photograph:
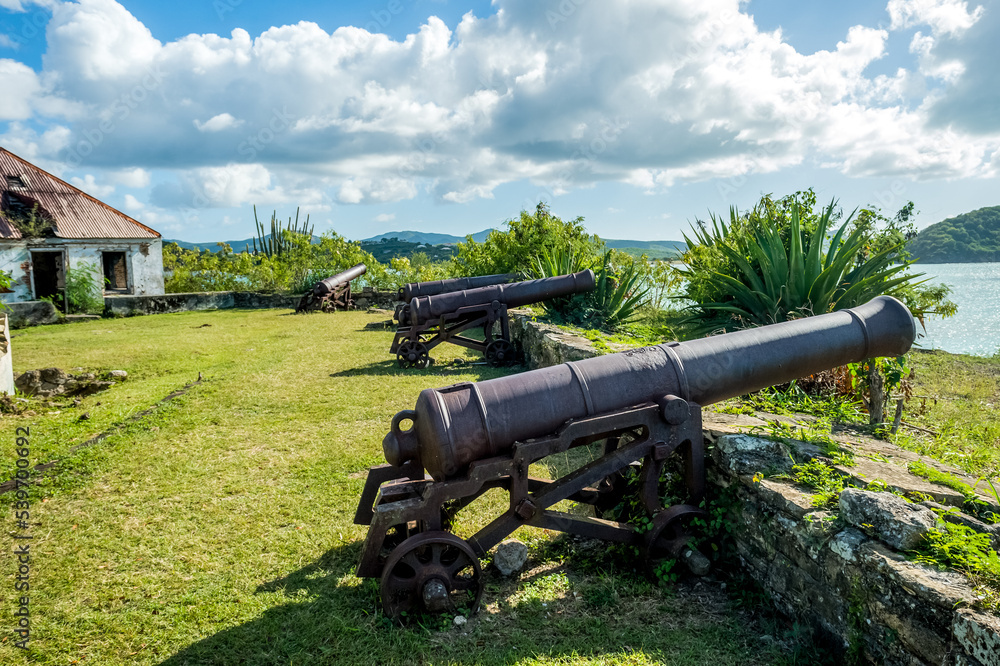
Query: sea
[{"x": 975, "y": 329}]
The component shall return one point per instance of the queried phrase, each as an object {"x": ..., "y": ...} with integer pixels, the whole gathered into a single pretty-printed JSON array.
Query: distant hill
[
  {"x": 442, "y": 246},
  {"x": 968, "y": 238},
  {"x": 387, "y": 248},
  {"x": 213, "y": 246},
  {"x": 428, "y": 238}
]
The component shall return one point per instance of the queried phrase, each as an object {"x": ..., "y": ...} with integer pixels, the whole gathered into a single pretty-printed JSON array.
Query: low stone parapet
[
  {"x": 206, "y": 300},
  {"x": 31, "y": 313}
]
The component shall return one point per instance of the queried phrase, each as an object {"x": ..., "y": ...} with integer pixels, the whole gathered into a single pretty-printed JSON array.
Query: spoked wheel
[
  {"x": 668, "y": 537},
  {"x": 413, "y": 354},
  {"x": 500, "y": 352},
  {"x": 434, "y": 572}
]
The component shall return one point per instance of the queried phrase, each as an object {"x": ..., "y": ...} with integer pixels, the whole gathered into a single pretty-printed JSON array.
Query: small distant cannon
[
  {"x": 333, "y": 293},
  {"x": 413, "y": 290},
  {"x": 644, "y": 405},
  {"x": 427, "y": 321}
]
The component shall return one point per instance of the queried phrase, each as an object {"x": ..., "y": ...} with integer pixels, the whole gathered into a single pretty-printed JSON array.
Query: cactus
[{"x": 276, "y": 244}]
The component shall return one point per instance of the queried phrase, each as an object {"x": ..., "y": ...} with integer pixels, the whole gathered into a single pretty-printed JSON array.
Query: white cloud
[
  {"x": 135, "y": 178},
  {"x": 945, "y": 17},
  {"x": 218, "y": 123},
  {"x": 12, "y": 5},
  {"x": 385, "y": 217},
  {"x": 90, "y": 185},
  {"x": 7, "y": 42},
  {"x": 693, "y": 90},
  {"x": 20, "y": 85},
  {"x": 132, "y": 204}
]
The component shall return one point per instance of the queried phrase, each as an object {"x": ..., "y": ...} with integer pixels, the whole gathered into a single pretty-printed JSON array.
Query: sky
[{"x": 451, "y": 116}]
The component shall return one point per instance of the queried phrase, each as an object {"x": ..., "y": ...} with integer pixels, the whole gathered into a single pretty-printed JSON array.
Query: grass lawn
[{"x": 218, "y": 528}]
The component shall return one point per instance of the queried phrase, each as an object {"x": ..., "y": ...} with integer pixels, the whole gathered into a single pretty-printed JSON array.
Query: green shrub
[{"x": 84, "y": 288}]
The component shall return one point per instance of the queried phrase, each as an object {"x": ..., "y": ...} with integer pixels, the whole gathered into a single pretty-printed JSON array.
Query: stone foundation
[{"x": 31, "y": 313}]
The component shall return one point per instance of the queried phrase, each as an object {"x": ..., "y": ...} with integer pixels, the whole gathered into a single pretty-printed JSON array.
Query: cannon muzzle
[
  {"x": 417, "y": 289},
  {"x": 324, "y": 287},
  {"x": 512, "y": 295},
  {"x": 456, "y": 425}
]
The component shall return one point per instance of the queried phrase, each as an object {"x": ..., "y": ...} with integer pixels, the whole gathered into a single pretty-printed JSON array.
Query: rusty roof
[{"x": 74, "y": 213}]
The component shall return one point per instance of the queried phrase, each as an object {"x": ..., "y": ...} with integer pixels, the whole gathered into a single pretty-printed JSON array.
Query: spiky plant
[
  {"x": 768, "y": 279},
  {"x": 277, "y": 243}
]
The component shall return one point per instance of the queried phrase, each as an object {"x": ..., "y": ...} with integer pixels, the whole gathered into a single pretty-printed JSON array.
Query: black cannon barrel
[
  {"x": 512, "y": 295},
  {"x": 455, "y": 425},
  {"x": 417, "y": 289},
  {"x": 326, "y": 286}
]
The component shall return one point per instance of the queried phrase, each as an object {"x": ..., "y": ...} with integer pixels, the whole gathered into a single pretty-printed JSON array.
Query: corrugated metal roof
[{"x": 75, "y": 214}]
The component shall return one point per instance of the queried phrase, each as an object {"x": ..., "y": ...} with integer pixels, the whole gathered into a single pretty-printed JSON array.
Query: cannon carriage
[
  {"x": 332, "y": 293},
  {"x": 644, "y": 405},
  {"x": 412, "y": 290},
  {"x": 427, "y": 321}
]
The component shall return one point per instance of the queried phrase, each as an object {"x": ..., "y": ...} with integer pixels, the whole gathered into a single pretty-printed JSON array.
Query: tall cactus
[{"x": 277, "y": 244}]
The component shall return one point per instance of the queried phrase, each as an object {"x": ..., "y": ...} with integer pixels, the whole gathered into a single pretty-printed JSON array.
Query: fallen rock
[
  {"x": 118, "y": 374},
  {"x": 49, "y": 382},
  {"x": 891, "y": 519},
  {"x": 510, "y": 556}
]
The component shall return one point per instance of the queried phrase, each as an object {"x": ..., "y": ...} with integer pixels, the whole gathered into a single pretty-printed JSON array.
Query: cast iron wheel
[
  {"x": 413, "y": 354},
  {"x": 667, "y": 536},
  {"x": 499, "y": 353},
  {"x": 433, "y": 572}
]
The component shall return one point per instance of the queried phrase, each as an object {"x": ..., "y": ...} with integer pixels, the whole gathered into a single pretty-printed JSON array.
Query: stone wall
[
  {"x": 31, "y": 313},
  {"x": 545, "y": 344},
  {"x": 207, "y": 300},
  {"x": 843, "y": 572}
]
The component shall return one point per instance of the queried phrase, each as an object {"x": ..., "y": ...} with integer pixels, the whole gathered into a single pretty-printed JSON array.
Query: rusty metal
[
  {"x": 645, "y": 405},
  {"x": 430, "y": 320},
  {"x": 332, "y": 293},
  {"x": 74, "y": 213}
]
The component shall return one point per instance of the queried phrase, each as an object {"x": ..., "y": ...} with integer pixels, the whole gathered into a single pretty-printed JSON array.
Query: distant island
[{"x": 970, "y": 238}]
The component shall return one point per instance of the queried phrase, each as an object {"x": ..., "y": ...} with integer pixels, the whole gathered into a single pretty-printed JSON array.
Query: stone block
[{"x": 896, "y": 522}]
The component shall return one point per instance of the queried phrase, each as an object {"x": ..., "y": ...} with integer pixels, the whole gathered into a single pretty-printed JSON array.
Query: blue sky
[{"x": 452, "y": 116}]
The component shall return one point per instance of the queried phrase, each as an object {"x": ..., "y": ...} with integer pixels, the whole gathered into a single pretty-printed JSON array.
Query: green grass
[
  {"x": 958, "y": 399},
  {"x": 218, "y": 529}
]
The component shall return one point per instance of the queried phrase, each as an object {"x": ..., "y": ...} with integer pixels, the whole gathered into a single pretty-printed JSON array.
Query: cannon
[
  {"x": 413, "y": 290},
  {"x": 333, "y": 293},
  {"x": 427, "y": 321},
  {"x": 640, "y": 408}
]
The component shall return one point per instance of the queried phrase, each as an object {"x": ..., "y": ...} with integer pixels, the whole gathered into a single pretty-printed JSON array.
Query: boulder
[
  {"x": 899, "y": 524},
  {"x": 49, "y": 382},
  {"x": 510, "y": 556}
]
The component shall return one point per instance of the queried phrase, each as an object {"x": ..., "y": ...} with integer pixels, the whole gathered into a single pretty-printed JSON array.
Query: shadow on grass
[
  {"x": 330, "y": 617},
  {"x": 441, "y": 369}
]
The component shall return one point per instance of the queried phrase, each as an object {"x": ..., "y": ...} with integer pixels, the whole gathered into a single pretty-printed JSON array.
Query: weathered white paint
[
  {"x": 6, "y": 361},
  {"x": 144, "y": 262}
]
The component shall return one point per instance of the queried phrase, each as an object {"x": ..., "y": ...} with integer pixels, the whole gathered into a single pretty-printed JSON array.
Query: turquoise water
[{"x": 976, "y": 327}]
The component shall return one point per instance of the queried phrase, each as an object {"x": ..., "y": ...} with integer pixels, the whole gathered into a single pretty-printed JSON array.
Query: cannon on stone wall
[
  {"x": 427, "y": 321},
  {"x": 332, "y": 293},
  {"x": 644, "y": 405}
]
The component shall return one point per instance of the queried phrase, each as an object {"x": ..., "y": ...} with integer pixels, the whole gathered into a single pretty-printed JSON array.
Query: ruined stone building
[{"x": 49, "y": 227}]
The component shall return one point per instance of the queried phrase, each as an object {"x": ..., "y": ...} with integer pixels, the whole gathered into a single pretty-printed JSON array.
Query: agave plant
[
  {"x": 769, "y": 280},
  {"x": 615, "y": 300}
]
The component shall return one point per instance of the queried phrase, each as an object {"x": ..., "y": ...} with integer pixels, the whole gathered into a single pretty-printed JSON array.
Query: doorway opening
[{"x": 49, "y": 277}]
